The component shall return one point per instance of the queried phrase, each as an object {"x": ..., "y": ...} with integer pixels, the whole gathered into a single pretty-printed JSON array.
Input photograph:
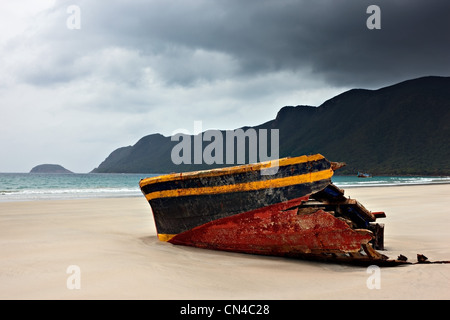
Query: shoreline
[
  {"x": 396, "y": 185},
  {"x": 70, "y": 199},
  {"x": 113, "y": 242},
  {"x": 119, "y": 196}
]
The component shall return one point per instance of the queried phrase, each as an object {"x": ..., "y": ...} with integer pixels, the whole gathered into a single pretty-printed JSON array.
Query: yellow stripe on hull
[
  {"x": 247, "y": 186},
  {"x": 165, "y": 237},
  {"x": 230, "y": 170}
]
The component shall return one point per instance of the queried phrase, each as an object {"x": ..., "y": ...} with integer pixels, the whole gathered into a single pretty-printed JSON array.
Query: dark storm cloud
[
  {"x": 328, "y": 38},
  {"x": 331, "y": 38}
]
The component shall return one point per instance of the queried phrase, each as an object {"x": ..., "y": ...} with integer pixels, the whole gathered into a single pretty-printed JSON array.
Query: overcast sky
[{"x": 72, "y": 95}]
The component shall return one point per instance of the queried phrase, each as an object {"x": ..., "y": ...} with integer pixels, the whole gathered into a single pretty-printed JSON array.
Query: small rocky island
[{"x": 49, "y": 168}]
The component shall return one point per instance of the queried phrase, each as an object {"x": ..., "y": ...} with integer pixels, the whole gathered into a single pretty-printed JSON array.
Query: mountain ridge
[{"x": 401, "y": 129}]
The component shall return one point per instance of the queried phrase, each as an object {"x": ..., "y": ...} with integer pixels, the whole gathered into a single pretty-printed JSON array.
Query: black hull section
[
  {"x": 184, "y": 201},
  {"x": 178, "y": 214}
]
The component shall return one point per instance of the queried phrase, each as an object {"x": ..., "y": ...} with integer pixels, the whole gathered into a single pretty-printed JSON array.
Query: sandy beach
[{"x": 112, "y": 246}]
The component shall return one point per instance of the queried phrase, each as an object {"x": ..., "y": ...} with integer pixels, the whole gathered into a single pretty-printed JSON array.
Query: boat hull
[
  {"x": 274, "y": 231},
  {"x": 295, "y": 211},
  {"x": 181, "y": 202}
]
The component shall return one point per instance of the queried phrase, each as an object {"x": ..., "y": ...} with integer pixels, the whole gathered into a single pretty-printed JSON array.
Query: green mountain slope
[{"x": 396, "y": 130}]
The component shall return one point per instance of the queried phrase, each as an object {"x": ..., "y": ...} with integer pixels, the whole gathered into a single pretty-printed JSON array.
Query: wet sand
[{"x": 113, "y": 245}]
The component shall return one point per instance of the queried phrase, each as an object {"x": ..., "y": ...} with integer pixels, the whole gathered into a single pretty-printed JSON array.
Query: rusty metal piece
[
  {"x": 379, "y": 214},
  {"x": 372, "y": 253},
  {"x": 308, "y": 210},
  {"x": 402, "y": 258},
  {"x": 337, "y": 165},
  {"x": 422, "y": 259},
  {"x": 378, "y": 232}
]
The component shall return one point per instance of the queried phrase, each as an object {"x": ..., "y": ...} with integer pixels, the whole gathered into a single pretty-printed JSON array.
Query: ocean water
[
  {"x": 37, "y": 186},
  {"x": 31, "y": 186}
]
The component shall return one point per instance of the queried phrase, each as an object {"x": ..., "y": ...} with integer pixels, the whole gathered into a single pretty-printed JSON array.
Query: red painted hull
[{"x": 274, "y": 230}]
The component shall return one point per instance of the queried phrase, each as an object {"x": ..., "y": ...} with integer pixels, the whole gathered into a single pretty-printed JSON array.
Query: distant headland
[{"x": 49, "y": 168}]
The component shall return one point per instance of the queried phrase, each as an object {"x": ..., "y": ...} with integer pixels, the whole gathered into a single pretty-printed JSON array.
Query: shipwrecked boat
[{"x": 295, "y": 212}]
